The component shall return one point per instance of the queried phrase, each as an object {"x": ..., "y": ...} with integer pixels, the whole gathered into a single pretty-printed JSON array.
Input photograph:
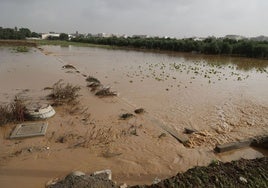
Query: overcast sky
[{"x": 174, "y": 18}]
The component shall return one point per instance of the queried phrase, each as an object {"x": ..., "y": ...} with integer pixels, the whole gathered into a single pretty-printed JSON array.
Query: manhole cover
[{"x": 29, "y": 130}]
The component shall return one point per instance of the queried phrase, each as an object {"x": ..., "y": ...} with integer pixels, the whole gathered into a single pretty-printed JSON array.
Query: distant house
[
  {"x": 260, "y": 38},
  {"x": 198, "y": 38},
  {"x": 235, "y": 37},
  {"x": 140, "y": 36},
  {"x": 51, "y": 34},
  {"x": 104, "y": 35}
]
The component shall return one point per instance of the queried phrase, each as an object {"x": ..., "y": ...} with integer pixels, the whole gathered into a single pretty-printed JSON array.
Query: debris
[
  {"x": 162, "y": 135},
  {"x": 29, "y": 130},
  {"x": 105, "y": 92},
  {"x": 92, "y": 79},
  {"x": 189, "y": 131},
  {"x": 108, "y": 154},
  {"x": 105, "y": 174},
  {"x": 232, "y": 146},
  {"x": 77, "y": 173},
  {"x": 39, "y": 111},
  {"x": 13, "y": 112},
  {"x": 68, "y": 66},
  {"x": 126, "y": 116},
  {"x": 96, "y": 85},
  {"x": 242, "y": 179},
  {"x": 124, "y": 185},
  {"x": 156, "y": 181},
  {"x": 64, "y": 93},
  {"x": 81, "y": 180},
  {"x": 48, "y": 88},
  {"x": 139, "y": 111}
]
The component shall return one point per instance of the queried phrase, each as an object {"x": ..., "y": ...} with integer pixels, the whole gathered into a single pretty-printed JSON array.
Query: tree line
[
  {"x": 211, "y": 45},
  {"x": 23, "y": 33},
  {"x": 15, "y": 33}
]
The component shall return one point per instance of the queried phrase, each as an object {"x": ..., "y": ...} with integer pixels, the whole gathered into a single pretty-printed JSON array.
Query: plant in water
[
  {"x": 13, "y": 112},
  {"x": 64, "y": 93},
  {"x": 21, "y": 49}
]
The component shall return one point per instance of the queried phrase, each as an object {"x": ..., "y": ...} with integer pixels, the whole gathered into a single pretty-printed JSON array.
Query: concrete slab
[{"x": 29, "y": 130}]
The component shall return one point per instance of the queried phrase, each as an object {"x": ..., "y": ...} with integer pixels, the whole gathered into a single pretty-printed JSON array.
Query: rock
[
  {"x": 189, "y": 131},
  {"x": 123, "y": 185},
  {"x": 156, "y": 181},
  {"x": 77, "y": 173},
  {"x": 139, "y": 111},
  {"x": 106, "y": 174},
  {"x": 126, "y": 116},
  {"x": 68, "y": 66},
  {"x": 243, "y": 180}
]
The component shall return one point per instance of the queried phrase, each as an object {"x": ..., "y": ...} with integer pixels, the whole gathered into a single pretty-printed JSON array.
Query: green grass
[
  {"x": 21, "y": 49},
  {"x": 67, "y": 43}
]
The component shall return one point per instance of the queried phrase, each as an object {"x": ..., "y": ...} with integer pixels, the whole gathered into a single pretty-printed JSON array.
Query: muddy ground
[{"x": 242, "y": 173}]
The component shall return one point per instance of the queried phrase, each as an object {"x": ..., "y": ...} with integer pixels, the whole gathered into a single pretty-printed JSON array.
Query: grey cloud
[{"x": 154, "y": 17}]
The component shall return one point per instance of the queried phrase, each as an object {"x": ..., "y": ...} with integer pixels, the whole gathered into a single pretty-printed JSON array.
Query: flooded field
[
  {"x": 224, "y": 99},
  {"x": 180, "y": 89}
]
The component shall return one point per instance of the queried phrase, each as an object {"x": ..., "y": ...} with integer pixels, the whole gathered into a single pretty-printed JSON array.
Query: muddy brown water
[
  {"x": 226, "y": 97},
  {"x": 182, "y": 90}
]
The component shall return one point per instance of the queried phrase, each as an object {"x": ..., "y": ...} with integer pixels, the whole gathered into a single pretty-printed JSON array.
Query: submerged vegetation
[
  {"x": 20, "y": 49},
  {"x": 223, "y": 46},
  {"x": 13, "y": 112},
  {"x": 64, "y": 93}
]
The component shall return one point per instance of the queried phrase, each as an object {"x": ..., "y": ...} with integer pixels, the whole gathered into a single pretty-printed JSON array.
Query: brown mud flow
[{"x": 223, "y": 99}]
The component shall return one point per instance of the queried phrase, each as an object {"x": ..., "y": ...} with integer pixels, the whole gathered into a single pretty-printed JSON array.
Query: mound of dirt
[
  {"x": 242, "y": 173},
  {"x": 81, "y": 180}
]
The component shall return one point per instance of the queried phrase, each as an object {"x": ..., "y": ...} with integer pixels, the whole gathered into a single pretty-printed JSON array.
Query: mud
[{"x": 90, "y": 135}]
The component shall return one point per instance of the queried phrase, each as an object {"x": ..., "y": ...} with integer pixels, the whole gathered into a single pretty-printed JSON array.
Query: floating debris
[
  {"x": 39, "y": 111},
  {"x": 139, "y": 111},
  {"x": 68, "y": 66},
  {"x": 103, "y": 92},
  {"x": 126, "y": 116},
  {"x": 92, "y": 79},
  {"x": 96, "y": 85}
]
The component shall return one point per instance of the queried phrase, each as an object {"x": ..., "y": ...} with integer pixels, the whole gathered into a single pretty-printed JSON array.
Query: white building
[{"x": 46, "y": 35}]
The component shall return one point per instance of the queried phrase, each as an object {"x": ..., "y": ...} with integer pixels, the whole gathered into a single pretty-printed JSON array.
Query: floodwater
[
  {"x": 225, "y": 99},
  {"x": 182, "y": 90}
]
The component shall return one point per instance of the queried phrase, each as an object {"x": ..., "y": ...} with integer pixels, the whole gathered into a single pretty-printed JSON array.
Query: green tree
[
  {"x": 25, "y": 32},
  {"x": 64, "y": 36}
]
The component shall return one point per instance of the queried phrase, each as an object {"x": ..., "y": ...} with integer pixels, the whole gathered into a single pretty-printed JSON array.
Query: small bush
[
  {"x": 21, "y": 49},
  {"x": 92, "y": 79},
  {"x": 64, "y": 93},
  {"x": 13, "y": 112},
  {"x": 104, "y": 92}
]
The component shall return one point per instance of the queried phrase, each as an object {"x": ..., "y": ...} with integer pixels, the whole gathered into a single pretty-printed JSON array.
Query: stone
[
  {"x": 106, "y": 174},
  {"x": 156, "y": 181},
  {"x": 77, "y": 173},
  {"x": 242, "y": 179}
]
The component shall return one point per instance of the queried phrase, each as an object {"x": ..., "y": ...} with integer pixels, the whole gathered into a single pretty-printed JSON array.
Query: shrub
[{"x": 64, "y": 93}]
